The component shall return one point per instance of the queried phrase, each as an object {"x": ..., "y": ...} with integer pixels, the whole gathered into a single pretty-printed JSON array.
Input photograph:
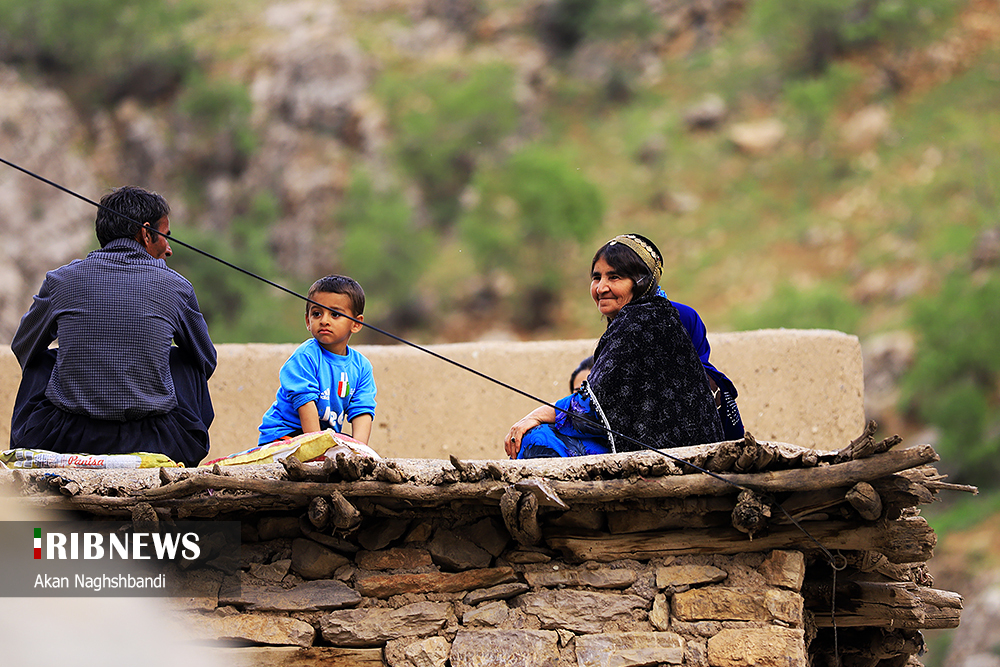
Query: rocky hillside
[
  {"x": 400, "y": 142},
  {"x": 272, "y": 185},
  {"x": 463, "y": 158}
]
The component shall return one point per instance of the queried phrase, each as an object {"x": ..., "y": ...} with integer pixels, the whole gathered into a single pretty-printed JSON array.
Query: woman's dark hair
[
  {"x": 585, "y": 365},
  {"x": 627, "y": 263}
]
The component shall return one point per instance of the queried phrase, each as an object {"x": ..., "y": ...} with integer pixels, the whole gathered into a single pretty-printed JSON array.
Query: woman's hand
[
  {"x": 540, "y": 415},
  {"x": 512, "y": 444}
]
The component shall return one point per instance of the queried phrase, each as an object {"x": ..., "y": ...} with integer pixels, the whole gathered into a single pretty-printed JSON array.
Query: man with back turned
[{"x": 131, "y": 370}]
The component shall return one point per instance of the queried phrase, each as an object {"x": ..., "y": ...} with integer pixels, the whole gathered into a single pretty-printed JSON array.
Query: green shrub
[
  {"x": 218, "y": 113},
  {"x": 444, "y": 121},
  {"x": 382, "y": 248},
  {"x": 530, "y": 210},
  {"x": 101, "y": 50},
  {"x": 822, "y": 307},
  {"x": 567, "y": 23},
  {"x": 954, "y": 381},
  {"x": 237, "y": 307},
  {"x": 809, "y": 35},
  {"x": 816, "y": 99}
]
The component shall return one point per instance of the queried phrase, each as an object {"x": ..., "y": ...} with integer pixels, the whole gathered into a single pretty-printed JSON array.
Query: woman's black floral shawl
[{"x": 650, "y": 382}]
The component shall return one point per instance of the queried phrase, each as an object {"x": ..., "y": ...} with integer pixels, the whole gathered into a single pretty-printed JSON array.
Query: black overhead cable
[
  {"x": 829, "y": 556},
  {"x": 833, "y": 561}
]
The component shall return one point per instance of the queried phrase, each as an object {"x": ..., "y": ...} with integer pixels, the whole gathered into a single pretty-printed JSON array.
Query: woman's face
[{"x": 608, "y": 289}]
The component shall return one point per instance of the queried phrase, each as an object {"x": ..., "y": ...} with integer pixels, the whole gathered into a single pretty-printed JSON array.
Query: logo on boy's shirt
[{"x": 328, "y": 417}]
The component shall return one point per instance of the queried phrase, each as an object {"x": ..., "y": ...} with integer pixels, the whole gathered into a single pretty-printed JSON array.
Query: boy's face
[{"x": 329, "y": 328}]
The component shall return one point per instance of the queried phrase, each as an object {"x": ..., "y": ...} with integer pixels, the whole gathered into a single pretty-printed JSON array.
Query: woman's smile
[{"x": 609, "y": 290}]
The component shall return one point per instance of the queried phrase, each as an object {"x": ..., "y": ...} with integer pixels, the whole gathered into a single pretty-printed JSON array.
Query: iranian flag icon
[
  {"x": 343, "y": 387},
  {"x": 38, "y": 543}
]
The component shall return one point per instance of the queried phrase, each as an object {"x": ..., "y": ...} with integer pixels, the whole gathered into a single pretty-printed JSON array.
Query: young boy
[{"x": 325, "y": 383}]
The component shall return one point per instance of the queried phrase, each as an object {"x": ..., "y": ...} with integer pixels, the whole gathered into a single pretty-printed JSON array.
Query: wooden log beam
[
  {"x": 926, "y": 617},
  {"x": 908, "y": 540},
  {"x": 344, "y": 515},
  {"x": 295, "y": 494},
  {"x": 804, "y": 503},
  {"x": 850, "y": 594},
  {"x": 527, "y": 516},
  {"x": 508, "y": 511},
  {"x": 800, "y": 479},
  {"x": 676, "y": 486},
  {"x": 198, "y": 506},
  {"x": 319, "y": 512},
  {"x": 940, "y": 598},
  {"x": 866, "y": 500},
  {"x": 861, "y": 447},
  {"x": 670, "y": 513}
]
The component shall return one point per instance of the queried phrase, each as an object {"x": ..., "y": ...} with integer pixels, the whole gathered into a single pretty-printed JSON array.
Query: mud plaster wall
[{"x": 800, "y": 386}]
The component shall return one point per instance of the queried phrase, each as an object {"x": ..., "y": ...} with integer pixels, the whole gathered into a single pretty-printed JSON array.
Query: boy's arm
[
  {"x": 361, "y": 427},
  {"x": 309, "y": 417}
]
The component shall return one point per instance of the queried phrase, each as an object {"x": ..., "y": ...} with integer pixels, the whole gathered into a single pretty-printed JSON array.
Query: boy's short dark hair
[{"x": 340, "y": 285}]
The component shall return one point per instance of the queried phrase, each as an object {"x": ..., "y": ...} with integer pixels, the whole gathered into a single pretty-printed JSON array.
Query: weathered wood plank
[
  {"x": 265, "y": 656},
  {"x": 927, "y": 617},
  {"x": 907, "y": 540},
  {"x": 843, "y": 474}
]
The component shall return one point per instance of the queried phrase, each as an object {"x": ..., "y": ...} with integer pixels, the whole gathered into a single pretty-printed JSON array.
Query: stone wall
[
  {"x": 430, "y": 592},
  {"x": 798, "y": 386},
  {"x": 623, "y": 559}
]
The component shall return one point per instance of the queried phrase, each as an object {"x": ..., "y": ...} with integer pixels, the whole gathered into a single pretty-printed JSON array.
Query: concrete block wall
[{"x": 805, "y": 387}]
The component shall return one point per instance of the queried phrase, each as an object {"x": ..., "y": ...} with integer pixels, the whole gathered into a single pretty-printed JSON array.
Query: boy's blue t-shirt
[{"x": 343, "y": 387}]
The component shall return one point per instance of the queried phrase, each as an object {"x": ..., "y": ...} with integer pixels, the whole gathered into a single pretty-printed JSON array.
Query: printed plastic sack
[
  {"x": 41, "y": 458},
  {"x": 305, "y": 447}
]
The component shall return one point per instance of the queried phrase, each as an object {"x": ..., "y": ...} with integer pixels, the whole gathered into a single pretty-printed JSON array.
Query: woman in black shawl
[{"x": 648, "y": 385}]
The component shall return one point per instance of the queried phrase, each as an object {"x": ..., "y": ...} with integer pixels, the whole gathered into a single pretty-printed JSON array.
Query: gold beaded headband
[{"x": 645, "y": 253}]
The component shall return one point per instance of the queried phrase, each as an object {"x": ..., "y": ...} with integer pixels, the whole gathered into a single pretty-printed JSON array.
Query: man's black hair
[{"x": 135, "y": 204}]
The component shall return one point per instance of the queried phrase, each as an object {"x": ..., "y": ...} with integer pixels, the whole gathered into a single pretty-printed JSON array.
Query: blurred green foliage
[
  {"x": 820, "y": 307},
  {"x": 815, "y": 100},
  {"x": 954, "y": 383},
  {"x": 445, "y": 120},
  {"x": 238, "y": 307},
  {"x": 382, "y": 247},
  {"x": 101, "y": 50},
  {"x": 530, "y": 209},
  {"x": 961, "y": 513},
  {"x": 567, "y": 23},
  {"x": 217, "y": 115},
  {"x": 532, "y": 191},
  {"x": 809, "y": 35}
]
